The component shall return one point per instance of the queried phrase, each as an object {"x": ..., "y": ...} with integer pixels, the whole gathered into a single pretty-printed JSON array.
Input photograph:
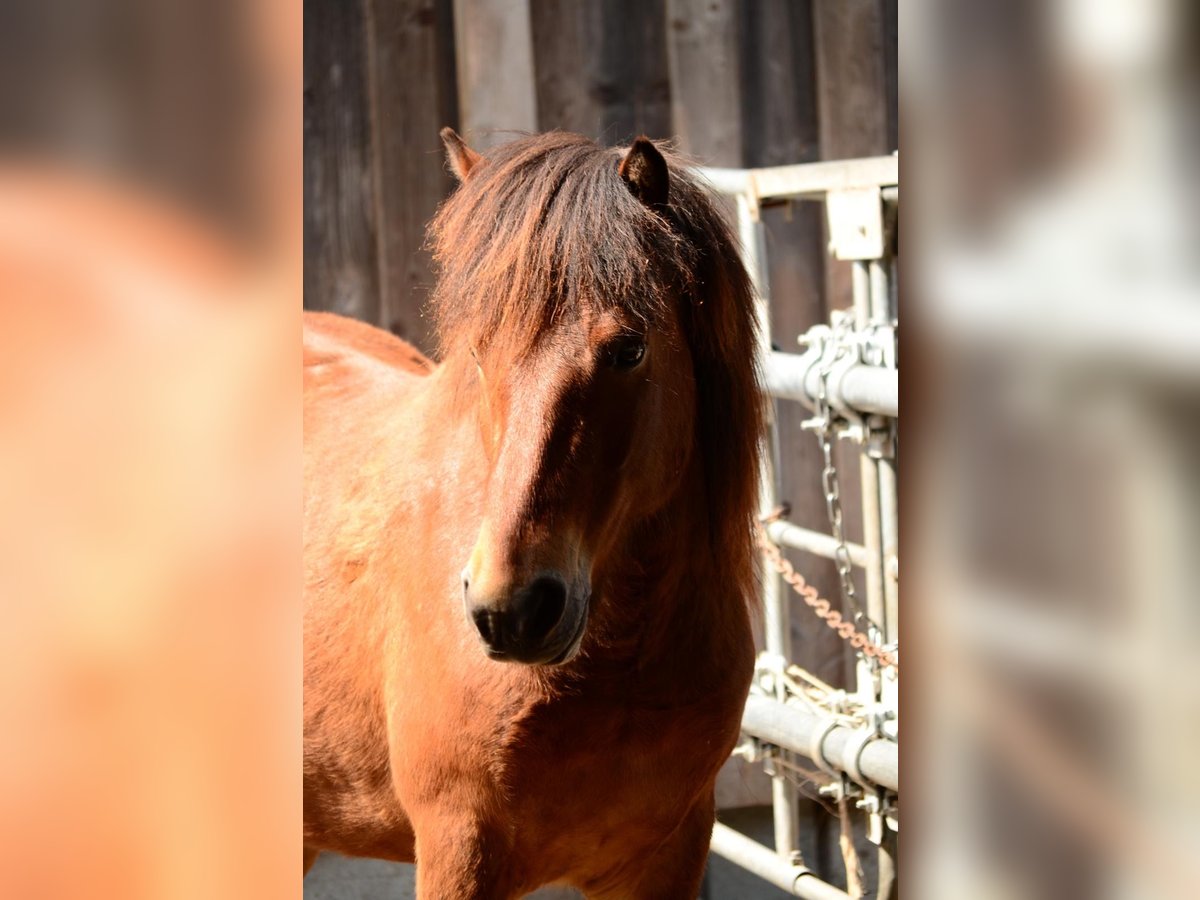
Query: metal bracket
[
  {"x": 769, "y": 669},
  {"x": 855, "y": 217},
  {"x": 880, "y": 441}
]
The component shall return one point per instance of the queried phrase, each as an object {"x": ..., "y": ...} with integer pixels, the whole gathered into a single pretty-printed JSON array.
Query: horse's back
[
  {"x": 361, "y": 387},
  {"x": 362, "y": 390},
  {"x": 330, "y": 338}
]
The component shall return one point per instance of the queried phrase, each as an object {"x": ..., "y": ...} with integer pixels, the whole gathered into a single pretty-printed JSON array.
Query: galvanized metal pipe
[
  {"x": 776, "y": 602},
  {"x": 770, "y": 866},
  {"x": 862, "y": 388},
  {"x": 729, "y": 182},
  {"x": 804, "y": 179},
  {"x": 872, "y": 538},
  {"x": 868, "y": 389},
  {"x": 791, "y": 535},
  {"x": 889, "y": 519},
  {"x": 794, "y": 728},
  {"x": 750, "y": 231},
  {"x": 861, "y": 283},
  {"x": 883, "y": 312},
  {"x": 754, "y": 256},
  {"x": 865, "y": 310}
]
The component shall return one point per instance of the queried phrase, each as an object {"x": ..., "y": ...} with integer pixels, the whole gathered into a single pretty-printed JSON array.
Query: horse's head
[{"x": 568, "y": 316}]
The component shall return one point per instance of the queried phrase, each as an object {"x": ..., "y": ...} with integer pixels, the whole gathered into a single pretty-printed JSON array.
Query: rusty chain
[{"x": 823, "y": 608}]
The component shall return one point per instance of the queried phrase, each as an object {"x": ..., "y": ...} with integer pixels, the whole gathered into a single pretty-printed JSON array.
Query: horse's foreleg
[
  {"x": 457, "y": 860},
  {"x": 310, "y": 857},
  {"x": 676, "y": 869}
]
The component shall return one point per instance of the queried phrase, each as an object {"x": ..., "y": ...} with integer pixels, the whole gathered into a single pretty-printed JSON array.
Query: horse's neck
[{"x": 675, "y": 597}]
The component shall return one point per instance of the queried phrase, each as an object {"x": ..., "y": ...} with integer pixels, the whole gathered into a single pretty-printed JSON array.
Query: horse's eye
[{"x": 628, "y": 353}]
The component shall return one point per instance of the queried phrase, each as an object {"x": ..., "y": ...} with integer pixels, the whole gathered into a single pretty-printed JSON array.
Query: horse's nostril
[
  {"x": 542, "y": 607},
  {"x": 485, "y": 622},
  {"x": 520, "y": 630}
]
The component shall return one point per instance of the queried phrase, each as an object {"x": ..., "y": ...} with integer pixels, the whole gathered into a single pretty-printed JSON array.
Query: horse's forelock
[{"x": 547, "y": 226}]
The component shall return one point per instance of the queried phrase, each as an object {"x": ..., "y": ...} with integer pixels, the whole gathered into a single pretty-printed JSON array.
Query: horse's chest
[{"x": 604, "y": 769}]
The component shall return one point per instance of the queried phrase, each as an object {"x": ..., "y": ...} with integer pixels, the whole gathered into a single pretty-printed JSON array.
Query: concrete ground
[{"x": 339, "y": 878}]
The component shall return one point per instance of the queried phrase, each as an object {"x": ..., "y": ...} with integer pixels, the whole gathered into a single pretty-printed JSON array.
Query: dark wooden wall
[{"x": 733, "y": 82}]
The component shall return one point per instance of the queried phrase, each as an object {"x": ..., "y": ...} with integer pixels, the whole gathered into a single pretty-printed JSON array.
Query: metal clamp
[
  {"x": 769, "y": 671},
  {"x": 816, "y": 748},
  {"x": 852, "y": 754}
]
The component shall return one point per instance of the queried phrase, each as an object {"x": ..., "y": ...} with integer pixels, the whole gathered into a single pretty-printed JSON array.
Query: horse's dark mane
[{"x": 547, "y": 224}]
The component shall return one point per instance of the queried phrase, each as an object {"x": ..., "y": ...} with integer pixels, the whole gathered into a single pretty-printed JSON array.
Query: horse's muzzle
[{"x": 541, "y": 623}]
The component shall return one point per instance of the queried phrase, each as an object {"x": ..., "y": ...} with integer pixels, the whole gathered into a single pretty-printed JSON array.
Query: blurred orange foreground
[{"x": 149, "y": 552}]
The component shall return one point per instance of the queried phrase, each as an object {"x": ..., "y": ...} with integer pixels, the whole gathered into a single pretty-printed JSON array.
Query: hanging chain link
[
  {"x": 830, "y": 486},
  {"x": 823, "y": 608}
]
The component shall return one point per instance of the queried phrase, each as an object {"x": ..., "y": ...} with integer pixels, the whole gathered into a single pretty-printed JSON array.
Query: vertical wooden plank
[
  {"x": 852, "y": 97},
  {"x": 560, "y": 38},
  {"x": 890, "y": 15},
  {"x": 494, "y": 49},
  {"x": 852, "y": 90},
  {"x": 702, "y": 52},
  {"x": 339, "y": 231},
  {"x": 413, "y": 94},
  {"x": 779, "y": 106},
  {"x": 602, "y": 68}
]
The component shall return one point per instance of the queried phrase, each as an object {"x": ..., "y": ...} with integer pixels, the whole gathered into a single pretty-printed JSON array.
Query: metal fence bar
[
  {"x": 805, "y": 179},
  {"x": 879, "y": 526},
  {"x": 776, "y": 602},
  {"x": 872, "y": 538},
  {"x": 863, "y": 388},
  {"x": 883, "y": 311},
  {"x": 795, "y": 728},
  {"x": 864, "y": 314},
  {"x": 889, "y": 518},
  {"x": 770, "y": 866},
  {"x": 881, "y": 300},
  {"x": 791, "y": 535}
]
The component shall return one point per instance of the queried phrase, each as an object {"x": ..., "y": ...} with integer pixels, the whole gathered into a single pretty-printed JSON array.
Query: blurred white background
[{"x": 1049, "y": 152}]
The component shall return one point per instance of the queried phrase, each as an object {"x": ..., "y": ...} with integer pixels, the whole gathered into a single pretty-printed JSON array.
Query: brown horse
[{"x": 528, "y": 567}]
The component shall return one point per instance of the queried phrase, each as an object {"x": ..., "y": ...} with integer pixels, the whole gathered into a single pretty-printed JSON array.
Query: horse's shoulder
[{"x": 330, "y": 338}]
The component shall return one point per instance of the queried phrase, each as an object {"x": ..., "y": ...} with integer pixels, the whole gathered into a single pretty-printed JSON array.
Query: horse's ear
[
  {"x": 645, "y": 171},
  {"x": 462, "y": 158}
]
